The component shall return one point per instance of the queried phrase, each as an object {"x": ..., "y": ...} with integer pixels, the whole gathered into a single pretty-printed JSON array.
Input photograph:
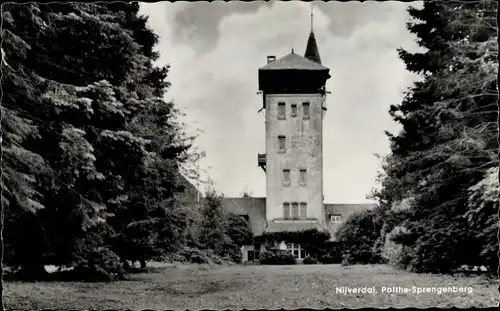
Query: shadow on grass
[
  {"x": 131, "y": 274},
  {"x": 77, "y": 275},
  {"x": 63, "y": 276}
]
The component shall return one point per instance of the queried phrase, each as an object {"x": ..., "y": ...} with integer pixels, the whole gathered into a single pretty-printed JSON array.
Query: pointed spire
[
  {"x": 312, "y": 25},
  {"x": 312, "y": 52}
]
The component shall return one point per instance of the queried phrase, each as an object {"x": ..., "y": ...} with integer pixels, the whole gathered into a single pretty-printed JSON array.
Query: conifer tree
[
  {"x": 448, "y": 140},
  {"x": 92, "y": 103}
]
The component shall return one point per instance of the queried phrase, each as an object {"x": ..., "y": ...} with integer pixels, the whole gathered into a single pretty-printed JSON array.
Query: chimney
[{"x": 271, "y": 59}]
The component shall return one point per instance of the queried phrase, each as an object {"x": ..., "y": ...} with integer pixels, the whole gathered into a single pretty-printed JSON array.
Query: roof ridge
[{"x": 293, "y": 61}]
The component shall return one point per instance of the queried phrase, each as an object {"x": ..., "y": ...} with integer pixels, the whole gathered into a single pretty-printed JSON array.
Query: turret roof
[{"x": 312, "y": 52}]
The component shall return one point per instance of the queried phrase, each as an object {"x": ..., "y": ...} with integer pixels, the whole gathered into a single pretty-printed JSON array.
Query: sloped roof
[
  {"x": 254, "y": 208},
  {"x": 293, "y": 61},
  {"x": 292, "y": 226},
  {"x": 189, "y": 193},
  {"x": 345, "y": 210},
  {"x": 229, "y": 206},
  {"x": 312, "y": 52}
]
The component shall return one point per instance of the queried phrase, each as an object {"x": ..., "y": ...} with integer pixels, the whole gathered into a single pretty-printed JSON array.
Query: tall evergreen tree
[
  {"x": 91, "y": 94},
  {"x": 448, "y": 141}
]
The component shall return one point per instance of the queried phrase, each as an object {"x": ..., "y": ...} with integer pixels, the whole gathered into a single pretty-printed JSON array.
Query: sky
[{"x": 215, "y": 49}]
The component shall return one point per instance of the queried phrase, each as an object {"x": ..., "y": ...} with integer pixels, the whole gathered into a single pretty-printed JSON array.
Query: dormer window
[{"x": 336, "y": 218}]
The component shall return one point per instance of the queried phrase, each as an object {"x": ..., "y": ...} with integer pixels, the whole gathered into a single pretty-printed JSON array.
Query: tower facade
[{"x": 293, "y": 89}]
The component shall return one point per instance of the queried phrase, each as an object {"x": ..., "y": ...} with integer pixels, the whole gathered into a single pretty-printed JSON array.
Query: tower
[{"x": 293, "y": 89}]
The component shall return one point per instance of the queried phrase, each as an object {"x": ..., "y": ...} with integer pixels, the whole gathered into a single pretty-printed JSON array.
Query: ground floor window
[
  {"x": 253, "y": 255},
  {"x": 297, "y": 251}
]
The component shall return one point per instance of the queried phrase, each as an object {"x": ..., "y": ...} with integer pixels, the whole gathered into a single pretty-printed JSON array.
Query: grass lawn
[{"x": 253, "y": 287}]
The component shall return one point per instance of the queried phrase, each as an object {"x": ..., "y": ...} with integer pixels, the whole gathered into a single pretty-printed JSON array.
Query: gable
[
  {"x": 187, "y": 193},
  {"x": 254, "y": 208}
]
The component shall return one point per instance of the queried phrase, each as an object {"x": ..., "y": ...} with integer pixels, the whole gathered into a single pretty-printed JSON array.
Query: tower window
[
  {"x": 286, "y": 210},
  {"x": 281, "y": 144},
  {"x": 305, "y": 110},
  {"x": 294, "y": 110},
  {"x": 286, "y": 177},
  {"x": 281, "y": 111},
  {"x": 295, "y": 210},
  {"x": 303, "y": 177},
  {"x": 303, "y": 210}
]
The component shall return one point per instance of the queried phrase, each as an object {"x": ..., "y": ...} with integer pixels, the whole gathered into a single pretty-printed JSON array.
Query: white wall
[{"x": 304, "y": 150}]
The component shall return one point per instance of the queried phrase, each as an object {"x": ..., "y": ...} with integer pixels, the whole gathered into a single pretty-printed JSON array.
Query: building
[
  {"x": 293, "y": 89},
  {"x": 187, "y": 194}
]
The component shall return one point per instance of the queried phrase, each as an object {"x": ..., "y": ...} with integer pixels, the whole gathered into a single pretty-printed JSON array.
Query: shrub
[
  {"x": 238, "y": 229},
  {"x": 312, "y": 240},
  {"x": 392, "y": 252},
  {"x": 309, "y": 260},
  {"x": 173, "y": 257},
  {"x": 435, "y": 252},
  {"x": 233, "y": 253},
  {"x": 101, "y": 264},
  {"x": 194, "y": 255},
  {"x": 363, "y": 255},
  {"x": 358, "y": 236},
  {"x": 276, "y": 257},
  {"x": 336, "y": 253},
  {"x": 213, "y": 224},
  {"x": 221, "y": 234},
  {"x": 435, "y": 247},
  {"x": 205, "y": 256},
  {"x": 328, "y": 259}
]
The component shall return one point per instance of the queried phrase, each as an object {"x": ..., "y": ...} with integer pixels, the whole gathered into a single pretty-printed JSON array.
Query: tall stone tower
[{"x": 293, "y": 89}]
